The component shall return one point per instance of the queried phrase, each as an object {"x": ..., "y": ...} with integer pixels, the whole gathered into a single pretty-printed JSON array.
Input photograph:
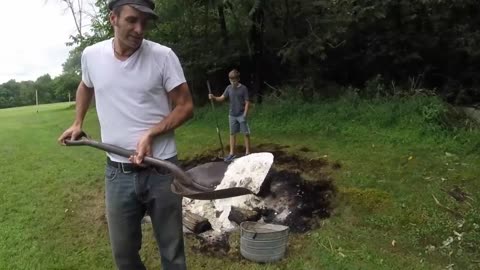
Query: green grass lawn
[{"x": 395, "y": 157}]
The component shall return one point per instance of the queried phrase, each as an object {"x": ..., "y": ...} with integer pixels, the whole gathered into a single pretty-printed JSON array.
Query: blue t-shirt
[{"x": 237, "y": 96}]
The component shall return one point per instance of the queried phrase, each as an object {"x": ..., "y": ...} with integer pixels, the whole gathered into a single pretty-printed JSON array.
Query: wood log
[
  {"x": 239, "y": 215},
  {"x": 196, "y": 223}
]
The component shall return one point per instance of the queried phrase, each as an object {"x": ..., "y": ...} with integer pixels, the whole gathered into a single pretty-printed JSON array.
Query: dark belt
[{"x": 130, "y": 167}]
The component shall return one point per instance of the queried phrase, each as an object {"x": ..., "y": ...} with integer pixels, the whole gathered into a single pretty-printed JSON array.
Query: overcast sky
[{"x": 33, "y": 37}]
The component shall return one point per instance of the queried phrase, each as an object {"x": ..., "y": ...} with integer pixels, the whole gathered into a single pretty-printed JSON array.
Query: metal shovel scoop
[{"x": 198, "y": 183}]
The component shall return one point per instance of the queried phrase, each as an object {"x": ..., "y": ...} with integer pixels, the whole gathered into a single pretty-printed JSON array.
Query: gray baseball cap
[{"x": 145, "y": 6}]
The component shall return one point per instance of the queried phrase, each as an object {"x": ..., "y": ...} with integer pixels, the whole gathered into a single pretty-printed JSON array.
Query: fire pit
[{"x": 296, "y": 193}]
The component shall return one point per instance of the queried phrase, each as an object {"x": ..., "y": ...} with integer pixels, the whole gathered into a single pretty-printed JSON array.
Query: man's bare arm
[
  {"x": 183, "y": 110},
  {"x": 82, "y": 103},
  {"x": 83, "y": 99}
]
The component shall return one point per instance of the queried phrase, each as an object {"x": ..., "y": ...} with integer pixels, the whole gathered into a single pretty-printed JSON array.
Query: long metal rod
[{"x": 216, "y": 121}]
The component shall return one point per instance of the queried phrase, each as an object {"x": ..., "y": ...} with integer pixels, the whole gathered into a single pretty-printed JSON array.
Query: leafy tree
[
  {"x": 304, "y": 43},
  {"x": 26, "y": 95},
  {"x": 44, "y": 86},
  {"x": 65, "y": 86}
]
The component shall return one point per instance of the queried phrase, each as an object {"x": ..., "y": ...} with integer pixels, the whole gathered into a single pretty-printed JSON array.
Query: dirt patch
[
  {"x": 283, "y": 159},
  {"x": 89, "y": 205},
  {"x": 305, "y": 150},
  {"x": 297, "y": 192},
  {"x": 303, "y": 200}
]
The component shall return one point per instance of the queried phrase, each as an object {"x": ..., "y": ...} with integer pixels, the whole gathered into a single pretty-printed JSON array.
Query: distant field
[{"x": 397, "y": 157}]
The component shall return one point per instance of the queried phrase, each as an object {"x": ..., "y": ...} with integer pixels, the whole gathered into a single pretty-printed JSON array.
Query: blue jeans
[{"x": 128, "y": 196}]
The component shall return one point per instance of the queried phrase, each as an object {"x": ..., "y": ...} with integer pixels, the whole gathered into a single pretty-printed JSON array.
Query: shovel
[{"x": 200, "y": 182}]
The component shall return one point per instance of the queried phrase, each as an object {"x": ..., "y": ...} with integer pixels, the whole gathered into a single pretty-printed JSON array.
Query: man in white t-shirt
[{"x": 141, "y": 96}]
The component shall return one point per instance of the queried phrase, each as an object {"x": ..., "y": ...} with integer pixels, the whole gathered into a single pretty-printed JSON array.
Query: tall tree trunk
[
  {"x": 257, "y": 16},
  {"x": 206, "y": 23},
  {"x": 286, "y": 22},
  {"x": 223, "y": 24}
]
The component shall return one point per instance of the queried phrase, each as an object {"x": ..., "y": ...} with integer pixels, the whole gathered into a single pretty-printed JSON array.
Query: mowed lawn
[{"x": 396, "y": 161}]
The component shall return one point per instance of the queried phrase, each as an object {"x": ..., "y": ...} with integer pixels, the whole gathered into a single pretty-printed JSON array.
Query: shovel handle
[
  {"x": 181, "y": 176},
  {"x": 209, "y": 88},
  {"x": 216, "y": 121},
  {"x": 210, "y": 92}
]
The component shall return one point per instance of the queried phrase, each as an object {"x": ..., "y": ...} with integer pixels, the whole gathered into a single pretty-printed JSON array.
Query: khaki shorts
[{"x": 238, "y": 124}]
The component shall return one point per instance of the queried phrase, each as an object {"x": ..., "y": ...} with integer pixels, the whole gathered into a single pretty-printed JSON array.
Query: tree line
[
  {"x": 313, "y": 45},
  {"x": 59, "y": 89}
]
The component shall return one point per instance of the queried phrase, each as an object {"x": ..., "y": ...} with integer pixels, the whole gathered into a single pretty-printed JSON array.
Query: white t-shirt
[{"x": 131, "y": 95}]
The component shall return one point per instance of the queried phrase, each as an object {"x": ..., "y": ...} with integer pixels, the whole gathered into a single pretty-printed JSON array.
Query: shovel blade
[{"x": 219, "y": 180}]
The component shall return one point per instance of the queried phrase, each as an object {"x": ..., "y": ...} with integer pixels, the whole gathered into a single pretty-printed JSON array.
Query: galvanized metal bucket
[{"x": 263, "y": 243}]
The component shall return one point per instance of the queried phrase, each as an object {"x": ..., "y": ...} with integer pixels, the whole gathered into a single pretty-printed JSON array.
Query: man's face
[{"x": 130, "y": 26}]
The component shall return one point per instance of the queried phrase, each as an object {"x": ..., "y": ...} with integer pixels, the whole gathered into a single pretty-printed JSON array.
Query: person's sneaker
[{"x": 229, "y": 158}]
